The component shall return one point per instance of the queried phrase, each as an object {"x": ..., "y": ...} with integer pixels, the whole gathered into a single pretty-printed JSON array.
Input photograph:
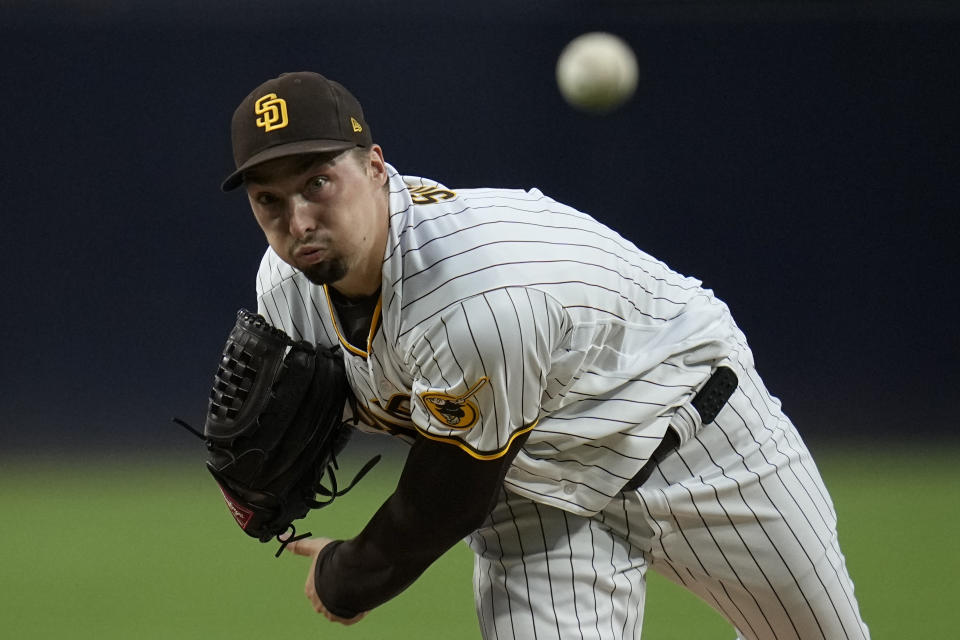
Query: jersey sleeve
[{"x": 479, "y": 369}]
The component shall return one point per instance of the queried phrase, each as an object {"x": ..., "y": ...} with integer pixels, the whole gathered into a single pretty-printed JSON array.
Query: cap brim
[{"x": 235, "y": 179}]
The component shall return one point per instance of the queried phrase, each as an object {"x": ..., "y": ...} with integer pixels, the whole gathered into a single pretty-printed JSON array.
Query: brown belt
[{"x": 708, "y": 402}]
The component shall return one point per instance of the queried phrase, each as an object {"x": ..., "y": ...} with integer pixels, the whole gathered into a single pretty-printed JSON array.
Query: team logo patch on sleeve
[{"x": 456, "y": 412}]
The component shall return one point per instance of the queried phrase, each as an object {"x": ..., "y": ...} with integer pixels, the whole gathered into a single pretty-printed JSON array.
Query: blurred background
[{"x": 801, "y": 158}]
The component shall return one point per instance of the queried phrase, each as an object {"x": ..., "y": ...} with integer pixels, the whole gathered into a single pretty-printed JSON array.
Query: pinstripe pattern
[
  {"x": 544, "y": 573},
  {"x": 572, "y": 327},
  {"x": 738, "y": 515},
  {"x": 503, "y": 312}
]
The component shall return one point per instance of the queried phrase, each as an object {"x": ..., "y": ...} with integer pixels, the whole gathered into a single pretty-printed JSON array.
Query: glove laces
[
  {"x": 293, "y": 537},
  {"x": 332, "y": 493}
]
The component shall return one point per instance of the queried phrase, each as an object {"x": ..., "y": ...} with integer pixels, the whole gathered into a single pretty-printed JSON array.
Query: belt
[{"x": 708, "y": 402}]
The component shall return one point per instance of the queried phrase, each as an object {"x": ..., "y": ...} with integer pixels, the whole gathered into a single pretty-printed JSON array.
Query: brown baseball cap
[{"x": 291, "y": 114}]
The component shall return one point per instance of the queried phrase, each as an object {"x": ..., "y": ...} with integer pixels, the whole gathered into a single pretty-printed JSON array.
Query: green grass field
[{"x": 126, "y": 549}]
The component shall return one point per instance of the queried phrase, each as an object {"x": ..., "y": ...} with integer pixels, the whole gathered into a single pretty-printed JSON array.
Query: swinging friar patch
[{"x": 456, "y": 412}]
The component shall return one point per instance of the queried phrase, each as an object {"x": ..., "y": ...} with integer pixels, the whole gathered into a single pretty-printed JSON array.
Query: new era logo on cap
[{"x": 292, "y": 114}]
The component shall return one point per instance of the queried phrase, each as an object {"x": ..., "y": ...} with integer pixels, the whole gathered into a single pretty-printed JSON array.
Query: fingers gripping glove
[{"x": 274, "y": 428}]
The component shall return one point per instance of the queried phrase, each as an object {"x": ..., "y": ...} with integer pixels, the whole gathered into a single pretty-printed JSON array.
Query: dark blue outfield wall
[{"x": 803, "y": 165}]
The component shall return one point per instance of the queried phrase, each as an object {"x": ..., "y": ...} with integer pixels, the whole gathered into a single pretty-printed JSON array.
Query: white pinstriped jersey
[{"x": 504, "y": 311}]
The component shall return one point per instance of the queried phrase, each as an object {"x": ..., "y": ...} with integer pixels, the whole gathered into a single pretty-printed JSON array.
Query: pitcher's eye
[
  {"x": 316, "y": 182},
  {"x": 266, "y": 199}
]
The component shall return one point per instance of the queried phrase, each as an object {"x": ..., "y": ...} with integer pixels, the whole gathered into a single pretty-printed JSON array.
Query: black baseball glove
[{"x": 274, "y": 428}]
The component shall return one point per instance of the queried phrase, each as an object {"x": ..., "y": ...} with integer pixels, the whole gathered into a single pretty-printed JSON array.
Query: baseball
[{"x": 597, "y": 72}]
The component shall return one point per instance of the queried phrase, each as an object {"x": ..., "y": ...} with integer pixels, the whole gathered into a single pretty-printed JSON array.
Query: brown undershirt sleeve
[{"x": 443, "y": 495}]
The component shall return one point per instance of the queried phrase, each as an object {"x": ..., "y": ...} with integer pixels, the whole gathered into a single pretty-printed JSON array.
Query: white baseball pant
[{"x": 738, "y": 515}]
